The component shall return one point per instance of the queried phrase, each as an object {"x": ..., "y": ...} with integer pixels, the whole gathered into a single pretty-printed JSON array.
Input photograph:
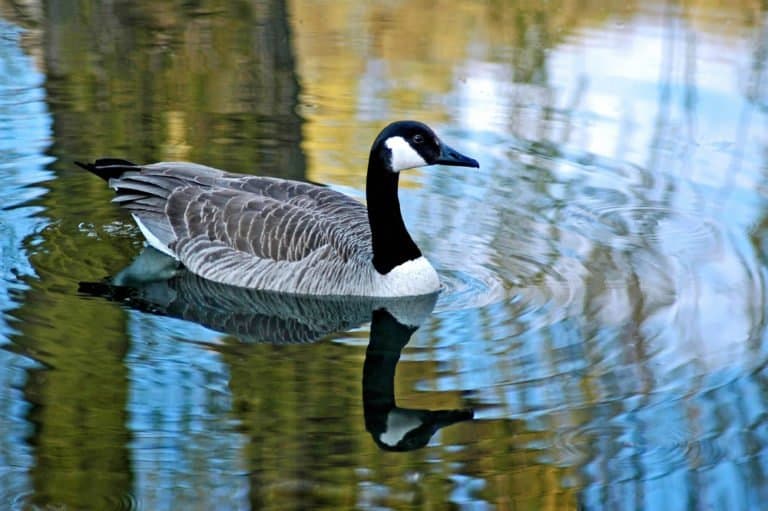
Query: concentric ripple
[
  {"x": 469, "y": 290},
  {"x": 539, "y": 290},
  {"x": 648, "y": 451},
  {"x": 124, "y": 502},
  {"x": 680, "y": 231}
]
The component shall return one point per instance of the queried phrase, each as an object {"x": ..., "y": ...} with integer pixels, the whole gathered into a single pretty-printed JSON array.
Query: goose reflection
[
  {"x": 153, "y": 283},
  {"x": 394, "y": 428}
]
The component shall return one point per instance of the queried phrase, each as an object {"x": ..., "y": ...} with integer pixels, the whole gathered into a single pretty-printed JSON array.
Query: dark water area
[{"x": 600, "y": 339}]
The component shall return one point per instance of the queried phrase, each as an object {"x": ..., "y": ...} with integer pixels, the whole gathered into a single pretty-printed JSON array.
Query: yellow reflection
[
  {"x": 362, "y": 66},
  {"x": 176, "y": 147}
]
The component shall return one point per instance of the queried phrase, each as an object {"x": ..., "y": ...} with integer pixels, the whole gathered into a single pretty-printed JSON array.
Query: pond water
[{"x": 600, "y": 341}]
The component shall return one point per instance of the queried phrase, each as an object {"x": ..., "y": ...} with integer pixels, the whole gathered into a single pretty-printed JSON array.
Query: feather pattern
[{"x": 250, "y": 231}]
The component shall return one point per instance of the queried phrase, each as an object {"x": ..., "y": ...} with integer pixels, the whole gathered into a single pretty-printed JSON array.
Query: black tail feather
[{"x": 108, "y": 168}]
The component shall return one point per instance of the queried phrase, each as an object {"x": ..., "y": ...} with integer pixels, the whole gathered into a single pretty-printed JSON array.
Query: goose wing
[
  {"x": 220, "y": 224},
  {"x": 265, "y": 227}
]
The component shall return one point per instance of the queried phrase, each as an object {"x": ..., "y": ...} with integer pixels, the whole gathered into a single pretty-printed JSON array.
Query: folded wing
[{"x": 221, "y": 224}]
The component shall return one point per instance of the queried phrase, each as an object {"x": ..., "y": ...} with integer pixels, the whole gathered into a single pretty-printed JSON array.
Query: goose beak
[{"x": 450, "y": 156}]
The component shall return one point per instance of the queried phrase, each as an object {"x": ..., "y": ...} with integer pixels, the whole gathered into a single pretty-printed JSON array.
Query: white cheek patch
[{"x": 403, "y": 155}]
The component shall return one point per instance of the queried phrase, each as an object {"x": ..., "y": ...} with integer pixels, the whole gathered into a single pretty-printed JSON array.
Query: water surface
[{"x": 603, "y": 311}]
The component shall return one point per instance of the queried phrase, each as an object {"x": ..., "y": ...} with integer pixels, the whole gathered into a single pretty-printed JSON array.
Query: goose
[{"x": 288, "y": 236}]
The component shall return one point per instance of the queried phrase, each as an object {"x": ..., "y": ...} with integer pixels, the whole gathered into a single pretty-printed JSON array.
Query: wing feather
[
  {"x": 266, "y": 227},
  {"x": 236, "y": 221}
]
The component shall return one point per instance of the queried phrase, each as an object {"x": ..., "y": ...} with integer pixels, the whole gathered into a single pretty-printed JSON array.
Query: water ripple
[
  {"x": 469, "y": 289},
  {"x": 534, "y": 292},
  {"x": 637, "y": 451},
  {"x": 681, "y": 231},
  {"x": 124, "y": 502}
]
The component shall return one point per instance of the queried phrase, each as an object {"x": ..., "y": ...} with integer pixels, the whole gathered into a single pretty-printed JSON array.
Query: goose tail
[{"x": 108, "y": 168}]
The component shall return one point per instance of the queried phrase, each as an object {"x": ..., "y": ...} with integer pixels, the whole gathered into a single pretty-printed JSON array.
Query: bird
[{"x": 282, "y": 235}]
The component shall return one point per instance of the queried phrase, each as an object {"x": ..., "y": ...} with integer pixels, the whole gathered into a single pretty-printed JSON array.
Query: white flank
[
  {"x": 403, "y": 155},
  {"x": 152, "y": 239},
  {"x": 398, "y": 425}
]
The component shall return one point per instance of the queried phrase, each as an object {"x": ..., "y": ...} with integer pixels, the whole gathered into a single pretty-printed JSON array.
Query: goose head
[
  {"x": 402, "y": 145},
  {"x": 409, "y": 144}
]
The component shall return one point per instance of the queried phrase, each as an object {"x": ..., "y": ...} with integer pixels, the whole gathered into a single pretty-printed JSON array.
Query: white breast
[{"x": 412, "y": 278}]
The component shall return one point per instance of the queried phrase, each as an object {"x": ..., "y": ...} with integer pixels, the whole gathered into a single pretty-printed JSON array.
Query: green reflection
[
  {"x": 211, "y": 82},
  {"x": 216, "y": 82}
]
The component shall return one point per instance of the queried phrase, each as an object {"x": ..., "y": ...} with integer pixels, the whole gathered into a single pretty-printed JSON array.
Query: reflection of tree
[
  {"x": 213, "y": 81},
  {"x": 78, "y": 397},
  {"x": 398, "y": 64},
  {"x": 149, "y": 81},
  {"x": 641, "y": 302},
  {"x": 154, "y": 82}
]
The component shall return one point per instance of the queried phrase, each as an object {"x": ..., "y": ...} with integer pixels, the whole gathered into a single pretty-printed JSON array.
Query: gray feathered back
[{"x": 247, "y": 230}]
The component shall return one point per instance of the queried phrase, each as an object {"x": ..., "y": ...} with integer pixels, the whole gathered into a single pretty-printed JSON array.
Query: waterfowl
[{"x": 288, "y": 236}]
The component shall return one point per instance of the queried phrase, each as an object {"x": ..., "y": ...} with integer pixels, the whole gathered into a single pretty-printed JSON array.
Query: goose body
[{"x": 282, "y": 235}]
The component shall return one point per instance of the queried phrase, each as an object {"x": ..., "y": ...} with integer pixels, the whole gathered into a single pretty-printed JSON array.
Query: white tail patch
[
  {"x": 403, "y": 155},
  {"x": 152, "y": 239}
]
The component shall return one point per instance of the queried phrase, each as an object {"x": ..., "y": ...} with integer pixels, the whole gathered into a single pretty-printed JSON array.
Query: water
[{"x": 603, "y": 311}]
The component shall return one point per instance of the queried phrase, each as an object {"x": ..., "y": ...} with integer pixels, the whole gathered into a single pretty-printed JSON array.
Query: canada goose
[{"x": 288, "y": 236}]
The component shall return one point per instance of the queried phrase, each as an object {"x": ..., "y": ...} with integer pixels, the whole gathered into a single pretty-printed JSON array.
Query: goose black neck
[{"x": 392, "y": 245}]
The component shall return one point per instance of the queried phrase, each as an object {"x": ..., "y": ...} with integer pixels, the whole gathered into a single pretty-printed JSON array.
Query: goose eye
[{"x": 418, "y": 139}]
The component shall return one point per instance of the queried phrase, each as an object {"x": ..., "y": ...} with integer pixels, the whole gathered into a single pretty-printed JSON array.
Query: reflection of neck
[
  {"x": 393, "y": 428},
  {"x": 392, "y": 245},
  {"x": 388, "y": 338}
]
